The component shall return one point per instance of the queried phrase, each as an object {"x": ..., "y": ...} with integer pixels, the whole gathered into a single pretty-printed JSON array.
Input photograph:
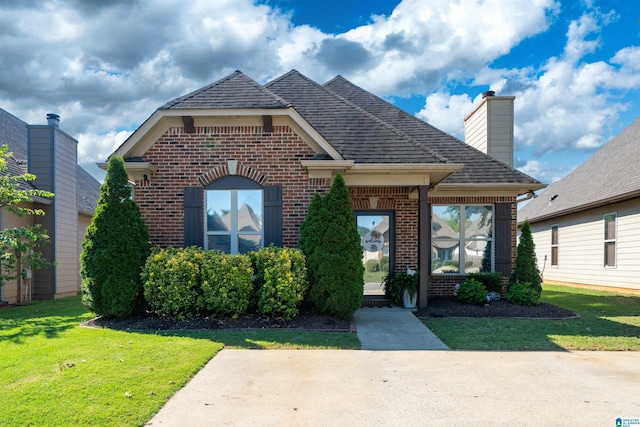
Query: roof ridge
[
  {"x": 384, "y": 123},
  {"x": 463, "y": 144},
  {"x": 221, "y": 81}
]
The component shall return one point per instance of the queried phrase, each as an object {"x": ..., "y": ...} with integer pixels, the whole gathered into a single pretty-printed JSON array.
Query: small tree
[
  {"x": 18, "y": 253},
  {"x": 526, "y": 269},
  {"x": 114, "y": 250},
  {"x": 311, "y": 234},
  {"x": 336, "y": 259}
]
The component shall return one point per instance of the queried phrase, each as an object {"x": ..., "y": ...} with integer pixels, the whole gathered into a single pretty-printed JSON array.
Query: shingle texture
[
  {"x": 358, "y": 124},
  {"x": 611, "y": 174},
  {"x": 13, "y": 132},
  {"x": 234, "y": 91},
  {"x": 478, "y": 167}
]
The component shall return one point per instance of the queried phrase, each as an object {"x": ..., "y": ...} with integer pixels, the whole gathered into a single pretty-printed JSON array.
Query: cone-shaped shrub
[
  {"x": 114, "y": 250},
  {"x": 526, "y": 269},
  {"x": 334, "y": 255}
]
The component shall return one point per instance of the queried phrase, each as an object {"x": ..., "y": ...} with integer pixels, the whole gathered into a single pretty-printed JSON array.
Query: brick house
[{"x": 234, "y": 166}]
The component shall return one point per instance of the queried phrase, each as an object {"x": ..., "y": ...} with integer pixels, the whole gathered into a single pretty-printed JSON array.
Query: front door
[{"x": 376, "y": 229}]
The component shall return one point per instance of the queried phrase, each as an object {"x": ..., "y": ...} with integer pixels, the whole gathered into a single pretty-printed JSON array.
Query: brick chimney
[{"x": 489, "y": 127}]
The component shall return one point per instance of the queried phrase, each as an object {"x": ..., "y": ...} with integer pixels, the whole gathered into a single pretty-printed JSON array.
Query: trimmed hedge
[
  {"x": 491, "y": 281},
  {"x": 226, "y": 283},
  {"x": 172, "y": 282},
  {"x": 281, "y": 280},
  {"x": 190, "y": 282}
]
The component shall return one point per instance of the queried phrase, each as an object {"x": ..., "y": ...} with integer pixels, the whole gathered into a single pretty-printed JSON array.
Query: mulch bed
[
  {"x": 308, "y": 321},
  {"x": 305, "y": 321},
  {"x": 451, "y": 307}
]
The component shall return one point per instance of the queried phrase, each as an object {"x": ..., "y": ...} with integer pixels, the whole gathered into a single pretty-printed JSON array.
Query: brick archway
[{"x": 232, "y": 167}]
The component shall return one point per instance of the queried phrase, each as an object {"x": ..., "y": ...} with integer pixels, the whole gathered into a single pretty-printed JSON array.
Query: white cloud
[{"x": 447, "y": 112}]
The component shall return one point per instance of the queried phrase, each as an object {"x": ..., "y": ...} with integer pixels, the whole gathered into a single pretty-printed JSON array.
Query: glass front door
[{"x": 377, "y": 240}]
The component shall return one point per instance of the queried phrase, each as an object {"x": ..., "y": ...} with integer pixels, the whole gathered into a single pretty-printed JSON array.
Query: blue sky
[{"x": 574, "y": 66}]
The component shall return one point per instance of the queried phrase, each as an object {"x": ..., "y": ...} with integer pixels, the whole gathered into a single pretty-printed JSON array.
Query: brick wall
[{"x": 199, "y": 158}]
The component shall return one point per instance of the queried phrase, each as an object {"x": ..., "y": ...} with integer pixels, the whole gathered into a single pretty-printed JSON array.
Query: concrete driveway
[{"x": 388, "y": 388}]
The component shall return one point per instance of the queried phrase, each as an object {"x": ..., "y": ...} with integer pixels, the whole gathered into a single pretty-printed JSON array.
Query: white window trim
[
  {"x": 234, "y": 232},
  {"x": 614, "y": 240},
  {"x": 557, "y": 246}
]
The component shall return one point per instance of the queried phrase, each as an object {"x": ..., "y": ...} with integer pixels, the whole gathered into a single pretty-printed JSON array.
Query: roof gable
[
  {"x": 355, "y": 133},
  {"x": 234, "y": 91},
  {"x": 612, "y": 174}
]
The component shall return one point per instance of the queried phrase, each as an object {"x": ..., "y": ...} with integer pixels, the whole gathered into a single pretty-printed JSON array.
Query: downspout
[{"x": 530, "y": 195}]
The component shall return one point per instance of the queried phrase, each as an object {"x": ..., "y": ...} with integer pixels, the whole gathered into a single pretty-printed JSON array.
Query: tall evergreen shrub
[
  {"x": 335, "y": 257},
  {"x": 526, "y": 269},
  {"x": 311, "y": 233},
  {"x": 114, "y": 250}
]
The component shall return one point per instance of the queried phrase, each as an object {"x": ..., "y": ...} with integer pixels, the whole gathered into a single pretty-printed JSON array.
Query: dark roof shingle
[
  {"x": 234, "y": 91},
  {"x": 612, "y": 174}
]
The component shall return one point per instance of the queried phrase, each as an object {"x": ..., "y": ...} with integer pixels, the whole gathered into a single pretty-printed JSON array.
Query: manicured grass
[
  {"x": 609, "y": 322},
  {"x": 56, "y": 373}
]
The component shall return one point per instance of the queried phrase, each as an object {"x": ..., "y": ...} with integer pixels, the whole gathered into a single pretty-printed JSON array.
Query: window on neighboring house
[
  {"x": 610, "y": 240},
  {"x": 554, "y": 245},
  {"x": 461, "y": 237},
  {"x": 234, "y": 216}
]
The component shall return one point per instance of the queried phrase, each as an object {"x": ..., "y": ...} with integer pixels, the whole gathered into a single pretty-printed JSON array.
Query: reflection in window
[
  {"x": 461, "y": 239},
  {"x": 610, "y": 240},
  {"x": 234, "y": 220},
  {"x": 554, "y": 245}
]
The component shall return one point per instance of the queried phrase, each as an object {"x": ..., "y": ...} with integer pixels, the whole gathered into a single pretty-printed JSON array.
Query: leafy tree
[
  {"x": 114, "y": 250},
  {"x": 526, "y": 269},
  {"x": 334, "y": 254},
  {"x": 18, "y": 245}
]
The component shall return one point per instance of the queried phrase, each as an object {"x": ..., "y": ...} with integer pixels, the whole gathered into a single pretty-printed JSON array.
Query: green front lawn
[
  {"x": 609, "y": 322},
  {"x": 56, "y": 373}
]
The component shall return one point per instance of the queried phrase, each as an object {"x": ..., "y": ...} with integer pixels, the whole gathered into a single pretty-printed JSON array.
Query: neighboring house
[
  {"x": 51, "y": 154},
  {"x": 586, "y": 226},
  {"x": 203, "y": 155}
]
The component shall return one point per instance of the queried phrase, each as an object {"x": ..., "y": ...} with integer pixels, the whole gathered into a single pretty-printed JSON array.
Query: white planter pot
[{"x": 407, "y": 301}]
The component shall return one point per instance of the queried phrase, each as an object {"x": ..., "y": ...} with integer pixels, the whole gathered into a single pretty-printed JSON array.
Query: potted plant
[{"x": 402, "y": 288}]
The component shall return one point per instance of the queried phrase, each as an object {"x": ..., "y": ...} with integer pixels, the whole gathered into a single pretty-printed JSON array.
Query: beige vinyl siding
[
  {"x": 475, "y": 129},
  {"x": 581, "y": 242},
  {"x": 9, "y": 220},
  {"x": 489, "y": 128},
  {"x": 66, "y": 216}
]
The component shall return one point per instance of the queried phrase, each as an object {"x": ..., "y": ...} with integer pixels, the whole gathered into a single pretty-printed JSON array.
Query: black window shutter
[
  {"x": 273, "y": 215},
  {"x": 503, "y": 238},
  {"x": 193, "y": 217}
]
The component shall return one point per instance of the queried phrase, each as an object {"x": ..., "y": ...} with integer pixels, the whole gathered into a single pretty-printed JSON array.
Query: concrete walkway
[
  {"x": 399, "y": 388},
  {"x": 393, "y": 329}
]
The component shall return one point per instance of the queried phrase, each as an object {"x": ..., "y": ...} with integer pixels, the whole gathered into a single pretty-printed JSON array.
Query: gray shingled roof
[
  {"x": 13, "y": 132},
  {"x": 353, "y": 132},
  {"x": 478, "y": 166},
  {"x": 611, "y": 175},
  {"x": 234, "y": 91}
]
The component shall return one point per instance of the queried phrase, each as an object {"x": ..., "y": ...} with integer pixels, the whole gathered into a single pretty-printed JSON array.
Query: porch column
[{"x": 424, "y": 245}]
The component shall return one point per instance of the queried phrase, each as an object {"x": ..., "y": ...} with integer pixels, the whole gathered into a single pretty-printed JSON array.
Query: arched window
[{"x": 234, "y": 215}]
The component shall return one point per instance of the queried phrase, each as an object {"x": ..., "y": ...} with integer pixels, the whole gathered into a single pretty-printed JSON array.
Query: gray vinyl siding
[
  {"x": 581, "y": 247},
  {"x": 53, "y": 159}
]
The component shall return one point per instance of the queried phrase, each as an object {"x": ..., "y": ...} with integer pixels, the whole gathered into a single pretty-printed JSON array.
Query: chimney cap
[
  {"x": 53, "y": 119},
  {"x": 488, "y": 93}
]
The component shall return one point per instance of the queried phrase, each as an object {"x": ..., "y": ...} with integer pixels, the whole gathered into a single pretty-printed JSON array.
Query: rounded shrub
[
  {"x": 227, "y": 283},
  {"x": 523, "y": 293},
  {"x": 172, "y": 282},
  {"x": 372, "y": 266},
  {"x": 472, "y": 291},
  {"x": 281, "y": 280}
]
